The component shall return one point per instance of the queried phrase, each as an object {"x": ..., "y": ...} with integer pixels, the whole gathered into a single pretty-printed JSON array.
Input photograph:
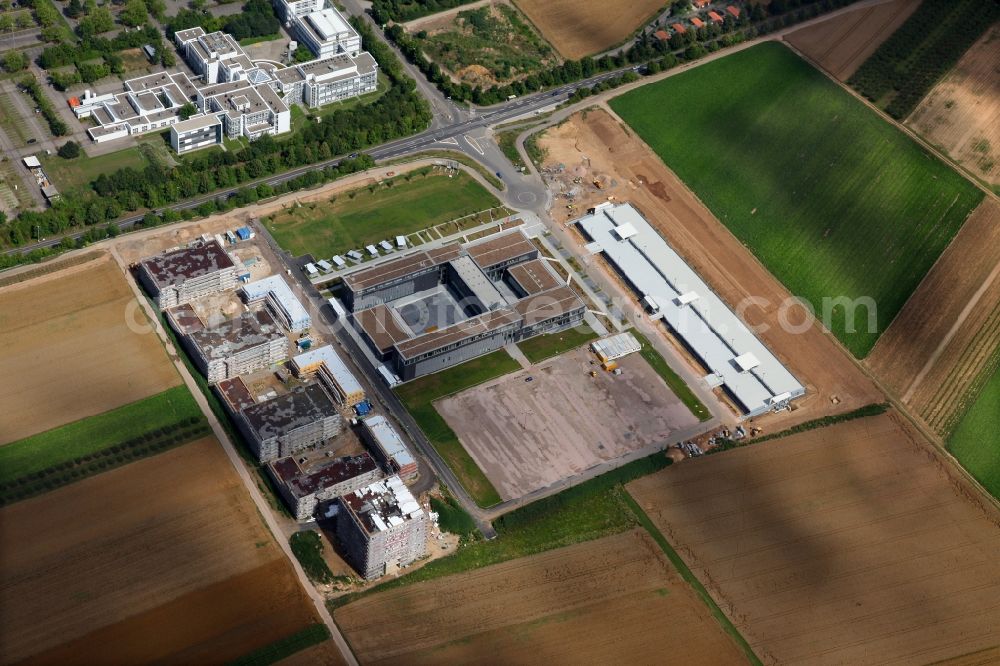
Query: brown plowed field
[
  {"x": 943, "y": 337},
  {"x": 578, "y": 29},
  {"x": 614, "y": 600},
  {"x": 66, "y": 351},
  {"x": 843, "y": 42},
  {"x": 851, "y": 544},
  {"x": 595, "y": 145},
  {"x": 961, "y": 114},
  {"x": 163, "y": 559}
]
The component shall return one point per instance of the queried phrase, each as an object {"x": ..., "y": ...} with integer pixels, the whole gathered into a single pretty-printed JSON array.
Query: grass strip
[
  {"x": 77, "y": 469},
  {"x": 590, "y": 510},
  {"x": 308, "y": 549},
  {"x": 314, "y": 634},
  {"x": 545, "y": 346},
  {"x": 452, "y": 517},
  {"x": 691, "y": 579},
  {"x": 671, "y": 378},
  {"x": 93, "y": 434},
  {"x": 419, "y": 396}
]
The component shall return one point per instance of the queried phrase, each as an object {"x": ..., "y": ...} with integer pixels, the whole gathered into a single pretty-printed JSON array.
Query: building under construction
[
  {"x": 182, "y": 275},
  {"x": 303, "y": 491},
  {"x": 433, "y": 309},
  {"x": 381, "y": 528}
]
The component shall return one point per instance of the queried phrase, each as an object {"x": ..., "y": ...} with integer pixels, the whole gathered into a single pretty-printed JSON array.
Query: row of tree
[
  {"x": 257, "y": 20},
  {"x": 385, "y": 11},
  {"x": 34, "y": 88},
  {"x": 930, "y": 42}
]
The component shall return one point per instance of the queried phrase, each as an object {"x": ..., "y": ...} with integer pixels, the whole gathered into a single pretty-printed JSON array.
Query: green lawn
[
  {"x": 371, "y": 214},
  {"x": 96, "y": 433},
  {"x": 418, "y": 397},
  {"x": 308, "y": 549},
  {"x": 672, "y": 379},
  {"x": 975, "y": 441},
  {"x": 545, "y": 346},
  {"x": 593, "y": 509},
  {"x": 835, "y": 201},
  {"x": 79, "y": 172}
]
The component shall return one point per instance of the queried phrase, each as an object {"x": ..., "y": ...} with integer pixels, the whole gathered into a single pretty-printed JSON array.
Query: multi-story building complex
[
  {"x": 248, "y": 343},
  {"x": 289, "y": 423},
  {"x": 195, "y": 132},
  {"x": 433, "y": 309},
  {"x": 303, "y": 491},
  {"x": 388, "y": 447},
  {"x": 326, "y": 364},
  {"x": 381, "y": 528},
  {"x": 180, "y": 276},
  {"x": 280, "y": 301},
  {"x": 248, "y": 98}
]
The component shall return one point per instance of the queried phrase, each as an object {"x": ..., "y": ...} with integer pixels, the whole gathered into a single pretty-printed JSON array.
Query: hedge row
[{"x": 153, "y": 442}]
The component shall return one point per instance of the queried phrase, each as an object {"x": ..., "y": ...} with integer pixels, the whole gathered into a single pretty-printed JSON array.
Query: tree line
[
  {"x": 384, "y": 11},
  {"x": 907, "y": 65},
  {"x": 256, "y": 20}
]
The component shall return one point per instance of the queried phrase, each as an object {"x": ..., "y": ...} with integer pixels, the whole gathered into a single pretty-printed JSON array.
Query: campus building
[
  {"x": 284, "y": 425},
  {"x": 303, "y": 491},
  {"x": 250, "y": 342},
  {"x": 180, "y": 276},
  {"x": 275, "y": 294},
  {"x": 432, "y": 309},
  {"x": 734, "y": 359},
  {"x": 325, "y": 363},
  {"x": 248, "y": 98},
  {"x": 381, "y": 528},
  {"x": 388, "y": 447}
]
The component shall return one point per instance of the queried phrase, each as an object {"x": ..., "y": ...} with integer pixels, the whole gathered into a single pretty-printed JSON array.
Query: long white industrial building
[
  {"x": 673, "y": 292},
  {"x": 282, "y": 302}
]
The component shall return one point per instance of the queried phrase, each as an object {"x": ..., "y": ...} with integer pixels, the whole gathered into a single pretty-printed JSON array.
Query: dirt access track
[
  {"x": 528, "y": 435},
  {"x": 164, "y": 559},
  {"x": 577, "y": 29},
  {"x": 940, "y": 342},
  {"x": 961, "y": 114},
  {"x": 850, "y": 544},
  {"x": 613, "y": 600},
  {"x": 67, "y": 351},
  {"x": 596, "y": 145},
  {"x": 840, "y": 44}
]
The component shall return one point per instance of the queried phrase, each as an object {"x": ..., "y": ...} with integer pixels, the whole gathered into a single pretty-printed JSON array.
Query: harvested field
[
  {"x": 961, "y": 114},
  {"x": 614, "y": 600},
  {"x": 529, "y": 435},
  {"x": 839, "y": 45},
  {"x": 163, "y": 559},
  {"x": 851, "y": 544},
  {"x": 937, "y": 347},
  {"x": 581, "y": 29},
  {"x": 597, "y": 145},
  {"x": 66, "y": 339}
]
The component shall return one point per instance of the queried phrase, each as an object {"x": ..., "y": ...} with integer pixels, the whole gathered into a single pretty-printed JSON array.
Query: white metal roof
[
  {"x": 400, "y": 241},
  {"x": 345, "y": 379},
  {"x": 388, "y": 440},
  {"x": 616, "y": 346},
  {"x": 338, "y": 260},
  {"x": 324, "y": 264},
  {"x": 279, "y": 290},
  {"x": 625, "y": 231},
  {"x": 32, "y": 162},
  {"x": 746, "y": 362},
  {"x": 706, "y": 324},
  {"x": 310, "y": 268}
]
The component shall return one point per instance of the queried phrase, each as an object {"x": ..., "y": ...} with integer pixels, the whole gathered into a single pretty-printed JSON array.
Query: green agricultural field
[
  {"x": 96, "y": 433},
  {"x": 975, "y": 442},
  {"x": 835, "y": 201},
  {"x": 419, "y": 396},
  {"x": 400, "y": 206}
]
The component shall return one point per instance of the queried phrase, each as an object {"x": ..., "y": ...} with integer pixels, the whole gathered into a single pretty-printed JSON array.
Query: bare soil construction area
[
  {"x": 578, "y": 29},
  {"x": 936, "y": 348},
  {"x": 613, "y": 600},
  {"x": 851, "y": 544},
  {"x": 163, "y": 559},
  {"x": 526, "y": 435},
  {"x": 67, "y": 351},
  {"x": 961, "y": 114},
  {"x": 594, "y": 145},
  {"x": 839, "y": 45}
]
